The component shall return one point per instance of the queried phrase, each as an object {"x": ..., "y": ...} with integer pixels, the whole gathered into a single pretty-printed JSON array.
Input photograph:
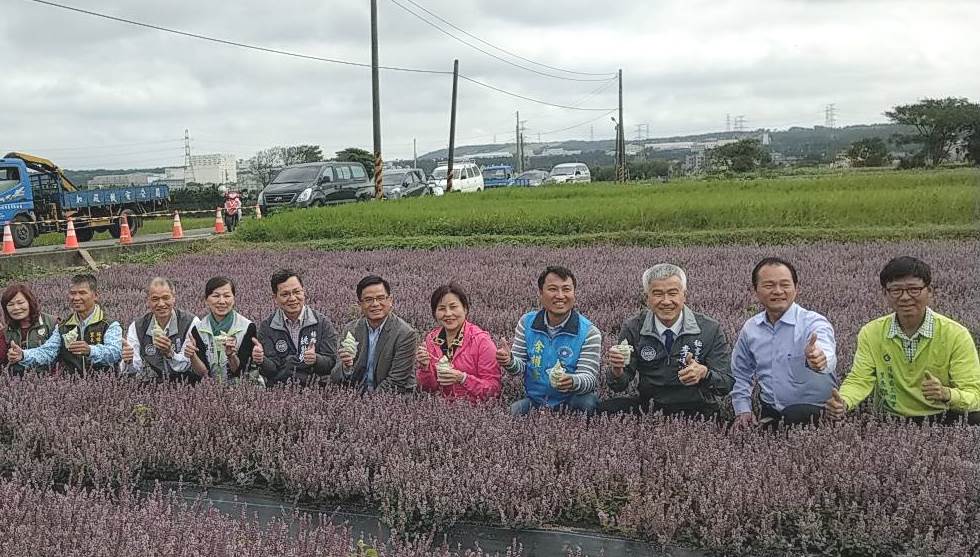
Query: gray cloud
[{"x": 75, "y": 85}]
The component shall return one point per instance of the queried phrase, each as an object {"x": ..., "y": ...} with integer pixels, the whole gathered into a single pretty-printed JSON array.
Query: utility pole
[
  {"x": 415, "y": 153},
  {"x": 621, "y": 140},
  {"x": 188, "y": 164},
  {"x": 728, "y": 122},
  {"x": 452, "y": 128},
  {"x": 740, "y": 123},
  {"x": 376, "y": 101},
  {"x": 518, "y": 148}
]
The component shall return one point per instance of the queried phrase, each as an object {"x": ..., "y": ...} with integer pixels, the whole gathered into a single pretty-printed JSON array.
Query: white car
[
  {"x": 466, "y": 177},
  {"x": 569, "y": 172}
]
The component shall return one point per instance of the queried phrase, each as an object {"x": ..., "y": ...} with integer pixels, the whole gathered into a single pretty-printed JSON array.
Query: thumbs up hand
[
  {"x": 503, "y": 353},
  {"x": 836, "y": 407},
  {"x": 815, "y": 357},
  {"x": 127, "y": 352},
  {"x": 258, "y": 353},
  {"x": 934, "y": 390},
  {"x": 15, "y": 354},
  {"x": 693, "y": 372},
  {"x": 190, "y": 348},
  {"x": 309, "y": 355}
]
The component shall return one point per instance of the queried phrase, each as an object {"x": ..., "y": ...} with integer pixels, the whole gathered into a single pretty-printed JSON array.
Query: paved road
[{"x": 163, "y": 237}]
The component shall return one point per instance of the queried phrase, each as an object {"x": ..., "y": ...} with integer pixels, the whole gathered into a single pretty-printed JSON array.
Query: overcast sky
[{"x": 90, "y": 93}]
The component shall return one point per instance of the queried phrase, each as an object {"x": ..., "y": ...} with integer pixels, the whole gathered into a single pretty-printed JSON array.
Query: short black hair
[
  {"x": 371, "y": 280},
  {"x": 905, "y": 266},
  {"x": 451, "y": 288},
  {"x": 86, "y": 279},
  {"x": 215, "y": 283},
  {"x": 281, "y": 276},
  {"x": 562, "y": 272},
  {"x": 773, "y": 261}
]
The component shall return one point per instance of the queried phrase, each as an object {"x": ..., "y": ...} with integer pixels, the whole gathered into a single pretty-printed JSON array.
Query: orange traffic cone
[
  {"x": 178, "y": 229},
  {"x": 258, "y": 212},
  {"x": 125, "y": 238},
  {"x": 71, "y": 241},
  {"x": 219, "y": 223},
  {"x": 8, "y": 240}
]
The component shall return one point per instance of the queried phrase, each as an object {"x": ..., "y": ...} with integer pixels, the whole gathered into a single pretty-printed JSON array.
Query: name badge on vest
[
  {"x": 151, "y": 350},
  {"x": 282, "y": 346},
  {"x": 648, "y": 353},
  {"x": 564, "y": 353}
]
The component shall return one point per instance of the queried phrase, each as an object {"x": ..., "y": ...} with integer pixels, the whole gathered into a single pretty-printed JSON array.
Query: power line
[
  {"x": 499, "y": 90},
  {"x": 298, "y": 55},
  {"x": 490, "y": 54},
  {"x": 515, "y": 55},
  {"x": 552, "y": 132},
  {"x": 234, "y": 43}
]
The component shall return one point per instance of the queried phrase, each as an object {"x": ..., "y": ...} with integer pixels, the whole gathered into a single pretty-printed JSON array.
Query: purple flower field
[{"x": 858, "y": 488}]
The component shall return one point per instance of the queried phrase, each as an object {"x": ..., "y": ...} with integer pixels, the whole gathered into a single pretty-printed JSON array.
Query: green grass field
[
  {"x": 150, "y": 226},
  {"x": 840, "y": 207}
]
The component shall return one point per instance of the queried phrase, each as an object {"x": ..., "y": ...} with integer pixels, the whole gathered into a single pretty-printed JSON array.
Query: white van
[
  {"x": 466, "y": 177},
  {"x": 570, "y": 172}
]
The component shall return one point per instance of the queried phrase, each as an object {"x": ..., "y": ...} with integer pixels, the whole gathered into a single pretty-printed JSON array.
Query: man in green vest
[
  {"x": 87, "y": 341},
  {"x": 919, "y": 364}
]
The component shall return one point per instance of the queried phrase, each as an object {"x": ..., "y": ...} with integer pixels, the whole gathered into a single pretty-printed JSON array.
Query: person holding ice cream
[
  {"x": 157, "y": 345},
  {"x": 556, "y": 349},
  {"x": 680, "y": 356},
  {"x": 87, "y": 341},
  {"x": 377, "y": 350},
  {"x": 457, "y": 359},
  {"x": 222, "y": 347}
]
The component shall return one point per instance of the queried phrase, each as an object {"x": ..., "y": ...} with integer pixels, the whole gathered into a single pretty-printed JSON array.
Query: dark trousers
[
  {"x": 947, "y": 418},
  {"x": 794, "y": 414},
  {"x": 640, "y": 406}
]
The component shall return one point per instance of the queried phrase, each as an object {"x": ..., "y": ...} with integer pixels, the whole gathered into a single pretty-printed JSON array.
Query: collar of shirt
[
  {"x": 926, "y": 329},
  {"x": 299, "y": 319},
  {"x": 372, "y": 330},
  {"x": 171, "y": 328},
  {"x": 554, "y": 330},
  {"x": 789, "y": 317},
  {"x": 677, "y": 327}
]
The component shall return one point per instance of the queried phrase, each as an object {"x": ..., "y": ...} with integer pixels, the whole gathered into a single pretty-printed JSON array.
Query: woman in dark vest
[
  {"x": 223, "y": 343},
  {"x": 26, "y": 327}
]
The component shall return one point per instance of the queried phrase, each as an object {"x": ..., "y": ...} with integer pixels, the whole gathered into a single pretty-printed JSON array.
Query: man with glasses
[
  {"x": 377, "y": 350},
  {"x": 919, "y": 364},
  {"x": 297, "y": 343},
  {"x": 680, "y": 356}
]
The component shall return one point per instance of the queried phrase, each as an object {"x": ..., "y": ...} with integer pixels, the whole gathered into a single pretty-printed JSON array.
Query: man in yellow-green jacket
[{"x": 919, "y": 364}]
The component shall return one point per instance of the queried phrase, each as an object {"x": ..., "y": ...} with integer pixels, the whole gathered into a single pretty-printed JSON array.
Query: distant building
[
  {"x": 491, "y": 155},
  {"x": 557, "y": 152},
  {"x": 214, "y": 169}
]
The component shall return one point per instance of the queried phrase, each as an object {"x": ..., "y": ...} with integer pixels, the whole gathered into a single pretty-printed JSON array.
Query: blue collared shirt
[
  {"x": 774, "y": 355},
  {"x": 373, "y": 336}
]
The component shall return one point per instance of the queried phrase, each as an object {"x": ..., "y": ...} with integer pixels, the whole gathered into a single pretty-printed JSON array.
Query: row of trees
[{"x": 266, "y": 162}]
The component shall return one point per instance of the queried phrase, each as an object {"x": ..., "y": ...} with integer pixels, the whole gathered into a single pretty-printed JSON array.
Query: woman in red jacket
[{"x": 457, "y": 358}]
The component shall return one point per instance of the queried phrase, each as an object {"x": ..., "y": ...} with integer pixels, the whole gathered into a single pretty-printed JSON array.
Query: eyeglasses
[
  {"x": 912, "y": 291},
  {"x": 371, "y": 301},
  {"x": 291, "y": 294}
]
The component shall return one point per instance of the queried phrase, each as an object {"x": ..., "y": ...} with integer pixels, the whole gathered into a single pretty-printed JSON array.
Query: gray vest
[{"x": 151, "y": 357}]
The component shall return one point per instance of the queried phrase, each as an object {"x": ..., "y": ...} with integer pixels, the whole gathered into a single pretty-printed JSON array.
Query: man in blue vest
[{"x": 556, "y": 349}]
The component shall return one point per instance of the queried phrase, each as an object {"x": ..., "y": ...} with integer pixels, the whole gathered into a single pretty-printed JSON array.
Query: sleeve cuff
[{"x": 742, "y": 406}]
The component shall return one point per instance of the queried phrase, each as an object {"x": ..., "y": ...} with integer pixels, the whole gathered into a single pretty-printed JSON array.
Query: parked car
[
  {"x": 570, "y": 172},
  {"x": 530, "y": 178},
  {"x": 499, "y": 175},
  {"x": 404, "y": 182},
  {"x": 315, "y": 184},
  {"x": 466, "y": 177}
]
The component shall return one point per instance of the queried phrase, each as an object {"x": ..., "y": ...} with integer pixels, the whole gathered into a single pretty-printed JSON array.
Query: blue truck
[
  {"x": 497, "y": 176},
  {"x": 36, "y": 197}
]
